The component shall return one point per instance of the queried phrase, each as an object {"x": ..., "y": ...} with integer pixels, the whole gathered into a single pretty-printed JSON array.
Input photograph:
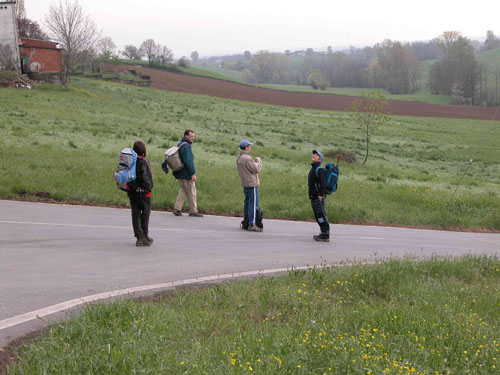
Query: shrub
[
  {"x": 345, "y": 156},
  {"x": 7, "y": 77}
]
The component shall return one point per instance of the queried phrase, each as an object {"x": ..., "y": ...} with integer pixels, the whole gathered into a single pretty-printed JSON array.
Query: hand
[
  {"x": 258, "y": 160},
  {"x": 193, "y": 178},
  {"x": 320, "y": 196}
]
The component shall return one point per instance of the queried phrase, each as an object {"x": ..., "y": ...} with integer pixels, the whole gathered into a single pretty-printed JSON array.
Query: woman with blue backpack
[{"x": 139, "y": 193}]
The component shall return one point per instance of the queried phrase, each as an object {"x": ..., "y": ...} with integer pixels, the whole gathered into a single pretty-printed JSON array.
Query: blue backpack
[
  {"x": 125, "y": 172},
  {"x": 332, "y": 177}
]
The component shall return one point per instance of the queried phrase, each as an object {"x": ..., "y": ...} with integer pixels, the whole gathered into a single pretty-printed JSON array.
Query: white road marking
[
  {"x": 23, "y": 318},
  {"x": 165, "y": 229}
]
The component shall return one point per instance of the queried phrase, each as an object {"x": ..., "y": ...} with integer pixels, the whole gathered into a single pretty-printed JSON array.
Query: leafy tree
[
  {"x": 397, "y": 68},
  {"x": 368, "y": 112},
  {"x": 247, "y": 55},
  {"x": 69, "y": 25},
  {"x": 491, "y": 41},
  {"x": 269, "y": 67},
  {"x": 317, "y": 80},
  {"x": 457, "y": 68},
  {"x": 195, "y": 56},
  {"x": 183, "y": 62},
  {"x": 132, "y": 52}
]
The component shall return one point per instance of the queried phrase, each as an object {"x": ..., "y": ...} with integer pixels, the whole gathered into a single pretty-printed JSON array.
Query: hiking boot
[
  {"x": 322, "y": 237},
  {"x": 149, "y": 239},
  {"x": 254, "y": 228},
  {"x": 244, "y": 225},
  {"x": 177, "y": 212},
  {"x": 142, "y": 242},
  {"x": 195, "y": 214}
]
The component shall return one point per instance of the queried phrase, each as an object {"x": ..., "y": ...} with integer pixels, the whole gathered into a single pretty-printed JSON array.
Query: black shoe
[
  {"x": 149, "y": 239},
  {"x": 142, "y": 242},
  {"x": 195, "y": 214},
  {"x": 176, "y": 212},
  {"x": 244, "y": 225},
  {"x": 322, "y": 238}
]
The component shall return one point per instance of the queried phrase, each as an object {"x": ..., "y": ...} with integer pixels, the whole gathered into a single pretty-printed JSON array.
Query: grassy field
[
  {"x": 63, "y": 143},
  {"x": 432, "y": 317},
  {"x": 419, "y": 96}
]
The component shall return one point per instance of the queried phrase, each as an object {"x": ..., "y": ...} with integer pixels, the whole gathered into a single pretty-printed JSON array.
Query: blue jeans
[{"x": 251, "y": 203}]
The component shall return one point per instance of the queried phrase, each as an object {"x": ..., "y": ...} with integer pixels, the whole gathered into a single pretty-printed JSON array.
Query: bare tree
[
  {"x": 106, "y": 48},
  {"x": 20, "y": 9},
  {"x": 70, "y": 26},
  {"x": 368, "y": 112},
  {"x": 149, "y": 49},
  {"x": 30, "y": 29},
  {"x": 164, "y": 54}
]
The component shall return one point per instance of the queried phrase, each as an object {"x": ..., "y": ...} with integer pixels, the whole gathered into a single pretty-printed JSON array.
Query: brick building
[{"x": 38, "y": 56}]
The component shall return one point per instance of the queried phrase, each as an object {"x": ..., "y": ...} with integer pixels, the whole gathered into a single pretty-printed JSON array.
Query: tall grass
[
  {"x": 64, "y": 142},
  {"x": 438, "y": 316}
]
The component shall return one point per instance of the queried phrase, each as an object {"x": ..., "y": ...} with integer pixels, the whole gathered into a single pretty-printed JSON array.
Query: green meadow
[
  {"x": 427, "y": 317},
  {"x": 63, "y": 143}
]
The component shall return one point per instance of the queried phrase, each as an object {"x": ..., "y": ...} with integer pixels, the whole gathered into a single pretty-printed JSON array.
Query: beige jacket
[{"x": 248, "y": 169}]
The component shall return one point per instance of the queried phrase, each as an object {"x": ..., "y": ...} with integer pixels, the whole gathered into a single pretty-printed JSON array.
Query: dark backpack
[{"x": 332, "y": 177}]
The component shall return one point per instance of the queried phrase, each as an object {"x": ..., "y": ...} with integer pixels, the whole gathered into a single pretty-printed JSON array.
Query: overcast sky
[{"x": 232, "y": 26}]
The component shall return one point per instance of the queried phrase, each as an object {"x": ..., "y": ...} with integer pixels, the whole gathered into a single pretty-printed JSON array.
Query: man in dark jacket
[
  {"x": 186, "y": 177},
  {"x": 139, "y": 193},
  {"x": 317, "y": 195}
]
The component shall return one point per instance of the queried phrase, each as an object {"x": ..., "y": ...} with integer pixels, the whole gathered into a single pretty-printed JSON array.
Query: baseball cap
[
  {"x": 244, "y": 143},
  {"x": 319, "y": 153}
]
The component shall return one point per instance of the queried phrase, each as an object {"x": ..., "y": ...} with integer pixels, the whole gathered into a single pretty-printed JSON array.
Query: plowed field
[{"x": 229, "y": 90}]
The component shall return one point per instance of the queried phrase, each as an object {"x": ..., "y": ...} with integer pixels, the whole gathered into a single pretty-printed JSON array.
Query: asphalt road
[{"x": 50, "y": 254}]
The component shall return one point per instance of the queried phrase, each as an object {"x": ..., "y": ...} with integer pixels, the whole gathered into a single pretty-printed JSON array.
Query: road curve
[{"x": 51, "y": 254}]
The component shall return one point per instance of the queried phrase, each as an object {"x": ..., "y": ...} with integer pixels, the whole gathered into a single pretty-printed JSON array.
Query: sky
[{"x": 219, "y": 27}]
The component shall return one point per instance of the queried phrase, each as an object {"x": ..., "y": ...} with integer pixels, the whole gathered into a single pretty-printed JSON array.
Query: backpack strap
[{"x": 317, "y": 169}]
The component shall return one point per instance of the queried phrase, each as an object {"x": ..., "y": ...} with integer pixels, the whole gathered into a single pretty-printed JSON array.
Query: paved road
[{"x": 50, "y": 254}]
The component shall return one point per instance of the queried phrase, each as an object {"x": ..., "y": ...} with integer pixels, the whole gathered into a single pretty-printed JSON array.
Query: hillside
[{"x": 224, "y": 89}]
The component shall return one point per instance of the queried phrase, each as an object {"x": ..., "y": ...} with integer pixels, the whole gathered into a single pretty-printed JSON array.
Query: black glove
[{"x": 164, "y": 166}]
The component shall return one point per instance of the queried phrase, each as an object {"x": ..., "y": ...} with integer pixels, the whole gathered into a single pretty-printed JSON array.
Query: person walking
[
  {"x": 186, "y": 177},
  {"x": 139, "y": 193},
  {"x": 248, "y": 170},
  {"x": 317, "y": 194}
]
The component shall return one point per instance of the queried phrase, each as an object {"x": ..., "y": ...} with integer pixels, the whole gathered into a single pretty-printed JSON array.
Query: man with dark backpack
[
  {"x": 317, "y": 182},
  {"x": 186, "y": 177}
]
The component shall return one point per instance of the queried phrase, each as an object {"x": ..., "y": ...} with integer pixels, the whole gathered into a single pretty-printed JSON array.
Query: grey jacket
[{"x": 248, "y": 169}]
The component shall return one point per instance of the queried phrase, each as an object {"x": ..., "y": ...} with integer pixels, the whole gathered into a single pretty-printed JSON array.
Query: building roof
[{"x": 36, "y": 43}]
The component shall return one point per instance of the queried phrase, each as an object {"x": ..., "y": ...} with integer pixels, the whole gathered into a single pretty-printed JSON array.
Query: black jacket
[
  {"x": 317, "y": 184},
  {"x": 144, "y": 176}
]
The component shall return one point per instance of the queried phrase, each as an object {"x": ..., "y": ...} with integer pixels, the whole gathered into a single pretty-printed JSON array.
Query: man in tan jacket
[{"x": 249, "y": 169}]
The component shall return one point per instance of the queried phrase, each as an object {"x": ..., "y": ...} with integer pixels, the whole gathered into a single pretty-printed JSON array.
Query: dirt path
[{"x": 229, "y": 90}]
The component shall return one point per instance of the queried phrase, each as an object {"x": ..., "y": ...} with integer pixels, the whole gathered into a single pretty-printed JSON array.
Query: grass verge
[{"x": 435, "y": 316}]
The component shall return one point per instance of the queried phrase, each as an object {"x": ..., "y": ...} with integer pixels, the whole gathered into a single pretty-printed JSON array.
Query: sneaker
[
  {"x": 322, "y": 238},
  {"x": 142, "y": 242},
  {"x": 176, "y": 212},
  {"x": 254, "y": 228},
  {"x": 195, "y": 214},
  {"x": 149, "y": 239},
  {"x": 244, "y": 225}
]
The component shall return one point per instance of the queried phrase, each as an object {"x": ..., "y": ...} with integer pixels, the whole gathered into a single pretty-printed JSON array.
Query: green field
[
  {"x": 419, "y": 96},
  {"x": 433, "y": 317},
  {"x": 63, "y": 143}
]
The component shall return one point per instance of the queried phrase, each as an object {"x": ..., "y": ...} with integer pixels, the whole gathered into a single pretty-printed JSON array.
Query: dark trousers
[
  {"x": 250, "y": 204},
  {"x": 141, "y": 209},
  {"x": 319, "y": 209}
]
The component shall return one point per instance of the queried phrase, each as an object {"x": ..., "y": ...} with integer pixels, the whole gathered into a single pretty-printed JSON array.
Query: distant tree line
[{"x": 392, "y": 65}]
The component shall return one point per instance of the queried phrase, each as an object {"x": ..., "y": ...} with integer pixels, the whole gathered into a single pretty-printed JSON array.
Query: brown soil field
[{"x": 230, "y": 90}]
